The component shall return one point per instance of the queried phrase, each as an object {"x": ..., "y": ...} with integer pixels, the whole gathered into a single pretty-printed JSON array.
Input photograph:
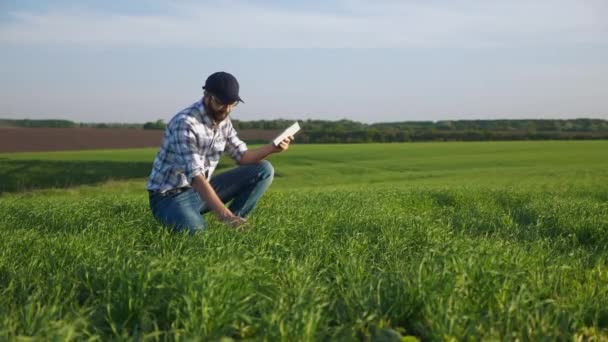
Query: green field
[{"x": 439, "y": 241}]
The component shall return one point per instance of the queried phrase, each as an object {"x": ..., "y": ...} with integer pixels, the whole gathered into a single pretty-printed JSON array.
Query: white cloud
[{"x": 353, "y": 23}]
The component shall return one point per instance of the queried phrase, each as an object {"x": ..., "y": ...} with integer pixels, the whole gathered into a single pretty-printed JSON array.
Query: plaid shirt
[{"x": 192, "y": 145}]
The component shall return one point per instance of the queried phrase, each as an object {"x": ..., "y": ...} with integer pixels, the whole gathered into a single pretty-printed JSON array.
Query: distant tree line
[
  {"x": 570, "y": 125},
  {"x": 56, "y": 123},
  {"x": 412, "y": 135},
  {"x": 51, "y": 123},
  {"x": 110, "y": 125},
  {"x": 158, "y": 124},
  {"x": 347, "y": 131}
]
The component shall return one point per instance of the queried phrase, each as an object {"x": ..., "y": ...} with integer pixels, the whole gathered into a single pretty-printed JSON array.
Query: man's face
[{"x": 216, "y": 109}]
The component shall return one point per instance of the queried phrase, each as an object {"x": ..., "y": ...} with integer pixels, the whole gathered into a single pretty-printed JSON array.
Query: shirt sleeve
[
  {"x": 235, "y": 147},
  {"x": 187, "y": 150}
]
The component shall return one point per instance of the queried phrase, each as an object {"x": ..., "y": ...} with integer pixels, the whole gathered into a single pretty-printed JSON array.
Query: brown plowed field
[{"x": 62, "y": 139}]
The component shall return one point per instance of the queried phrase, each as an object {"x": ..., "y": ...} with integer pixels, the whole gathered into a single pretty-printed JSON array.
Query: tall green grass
[{"x": 483, "y": 251}]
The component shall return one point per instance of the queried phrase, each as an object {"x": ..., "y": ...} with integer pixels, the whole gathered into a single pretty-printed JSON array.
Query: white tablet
[{"x": 291, "y": 130}]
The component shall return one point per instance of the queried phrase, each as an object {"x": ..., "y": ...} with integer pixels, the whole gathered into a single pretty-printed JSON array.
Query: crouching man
[{"x": 180, "y": 186}]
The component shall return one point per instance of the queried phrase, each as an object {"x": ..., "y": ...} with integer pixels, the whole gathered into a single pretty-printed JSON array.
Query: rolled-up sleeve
[
  {"x": 187, "y": 150},
  {"x": 235, "y": 147}
]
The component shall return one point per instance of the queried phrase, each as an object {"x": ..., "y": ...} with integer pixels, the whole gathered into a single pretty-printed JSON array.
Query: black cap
[{"x": 224, "y": 86}]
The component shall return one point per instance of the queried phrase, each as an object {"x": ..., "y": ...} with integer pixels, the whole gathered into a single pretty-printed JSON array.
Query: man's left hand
[{"x": 284, "y": 145}]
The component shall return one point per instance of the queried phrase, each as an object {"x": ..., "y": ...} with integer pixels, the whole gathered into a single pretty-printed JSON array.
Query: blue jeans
[{"x": 243, "y": 185}]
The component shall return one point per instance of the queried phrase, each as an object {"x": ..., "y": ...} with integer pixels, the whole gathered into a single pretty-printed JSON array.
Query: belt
[{"x": 169, "y": 192}]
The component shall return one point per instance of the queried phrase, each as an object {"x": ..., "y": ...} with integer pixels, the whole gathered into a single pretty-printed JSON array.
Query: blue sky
[{"x": 371, "y": 61}]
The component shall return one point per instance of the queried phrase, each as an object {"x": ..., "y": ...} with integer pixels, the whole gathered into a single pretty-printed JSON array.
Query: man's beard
[{"x": 218, "y": 116}]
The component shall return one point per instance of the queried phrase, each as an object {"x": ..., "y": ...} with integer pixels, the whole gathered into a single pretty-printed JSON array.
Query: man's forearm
[
  {"x": 257, "y": 155},
  {"x": 202, "y": 186}
]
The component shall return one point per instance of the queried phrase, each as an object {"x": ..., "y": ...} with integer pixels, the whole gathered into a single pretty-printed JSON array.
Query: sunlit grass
[{"x": 516, "y": 250}]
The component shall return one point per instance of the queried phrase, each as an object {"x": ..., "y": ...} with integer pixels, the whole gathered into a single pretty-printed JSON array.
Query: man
[{"x": 181, "y": 187}]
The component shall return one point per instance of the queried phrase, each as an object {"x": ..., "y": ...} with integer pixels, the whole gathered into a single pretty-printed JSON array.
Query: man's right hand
[
  {"x": 202, "y": 186},
  {"x": 232, "y": 220}
]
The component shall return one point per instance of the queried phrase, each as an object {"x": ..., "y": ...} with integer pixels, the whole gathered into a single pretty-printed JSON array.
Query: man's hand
[
  {"x": 284, "y": 145},
  {"x": 202, "y": 186},
  {"x": 233, "y": 221}
]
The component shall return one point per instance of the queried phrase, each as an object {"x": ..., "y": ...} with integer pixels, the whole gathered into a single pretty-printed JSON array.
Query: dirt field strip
[{"x": 62, "y": 139}]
